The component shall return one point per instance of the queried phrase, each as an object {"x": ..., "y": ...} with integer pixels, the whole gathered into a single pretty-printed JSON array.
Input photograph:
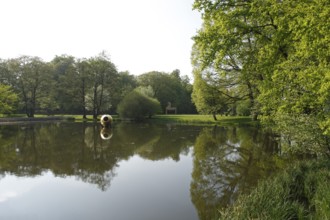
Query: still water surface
[{"x": 134, "y": 171}]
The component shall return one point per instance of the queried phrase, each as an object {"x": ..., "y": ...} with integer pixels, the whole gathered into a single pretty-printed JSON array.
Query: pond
[{"x": 133, "y": 171}]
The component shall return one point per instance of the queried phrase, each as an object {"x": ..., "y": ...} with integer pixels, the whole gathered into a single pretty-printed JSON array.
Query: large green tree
[
  {"x": 225, "y": 50},
  {"x": 31, "y": 78},
  {"x": 66, "y": 81},
  {"x": 208, "y": 98},
  {"x": 277, "y": 51},
  {"x": 103, "y": 75}
]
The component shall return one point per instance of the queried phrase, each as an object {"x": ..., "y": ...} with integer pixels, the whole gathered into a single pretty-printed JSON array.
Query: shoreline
[
  {"x": 18, "y": 120},
  {"x": 180, "y": 119}
]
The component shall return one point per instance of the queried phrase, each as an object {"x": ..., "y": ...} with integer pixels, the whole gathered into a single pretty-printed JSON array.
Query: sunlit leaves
[
  {"x": 138, "y": 106},
  {"x": 281, "y": 49},
  {"x": 8, "y": 99}
]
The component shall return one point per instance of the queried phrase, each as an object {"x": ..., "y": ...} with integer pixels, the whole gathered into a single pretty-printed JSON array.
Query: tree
[
  {"x": 8, "y": 99},
  {"x": 226, "y": 47},
  {"x": 300, "y": 83},
  {"x": 138, "y": 106},
  {"x": 67, "y": 83},
  {"x": 125, "y": 83},
  {"x": 103, "y": 75},
  {"x": 169, "y": 88},
  {"x": 82, "y": 84},
  {"x": 31, "y": 79},
  {"x": 278, "y": 52},
  {"x": 208, "y": 98}
]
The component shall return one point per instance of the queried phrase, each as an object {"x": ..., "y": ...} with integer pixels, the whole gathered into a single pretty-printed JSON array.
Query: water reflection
[
  {"x": 226, "y": 161},
  {"x": 106, "y": 133},
  {"x": 229, "y": 161},
  {"x": 81, "y": 150}
]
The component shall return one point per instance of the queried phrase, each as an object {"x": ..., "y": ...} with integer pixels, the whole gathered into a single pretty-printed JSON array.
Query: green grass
[
  {"x": 301, "y": 192},
  {"x": 89, "y": 117},
  {"x": 186, "y": 119},
  {"x": 203, "y": 119},
  {"x": 76, "y": 117},
  {"x": 13, "y": 116}
]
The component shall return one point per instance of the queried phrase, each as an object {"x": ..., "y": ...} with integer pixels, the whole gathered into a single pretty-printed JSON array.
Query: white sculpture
[{"x": 106, "y": 121}]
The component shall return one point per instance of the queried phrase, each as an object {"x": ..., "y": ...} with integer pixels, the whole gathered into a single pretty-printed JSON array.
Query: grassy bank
[
  {"x": 187, "y": 119},
  {"x": 203, "y": 119},
  {"x": 301, "y": 192},
  {"x": 77, "y": 118}
]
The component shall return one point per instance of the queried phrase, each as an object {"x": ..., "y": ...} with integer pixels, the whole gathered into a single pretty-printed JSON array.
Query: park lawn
[
  {"x": 185, "y": 119},
  {"x": 203, "y": 119}
]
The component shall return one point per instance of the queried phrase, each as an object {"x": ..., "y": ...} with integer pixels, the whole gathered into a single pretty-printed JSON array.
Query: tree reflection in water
[
  {"x": 229, "y": 161},
  {"x": 80, "y": 149},
  {"x": 65, "y": 149}
]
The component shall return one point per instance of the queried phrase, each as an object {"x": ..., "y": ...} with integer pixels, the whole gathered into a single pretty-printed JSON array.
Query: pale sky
[{"x": 139, "y": 35}]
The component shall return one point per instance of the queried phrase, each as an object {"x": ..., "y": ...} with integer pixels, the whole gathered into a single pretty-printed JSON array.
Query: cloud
[{"x": 7, "y": 195}]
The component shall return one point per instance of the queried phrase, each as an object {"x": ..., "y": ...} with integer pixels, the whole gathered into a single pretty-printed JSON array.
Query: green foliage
[
  {"x": 207, "y": 97},
  {"x": 31, "y": 79},
  {"x": 169, "y": 88},
  {"x": 8, "y": 100},
  {"x": 66, "y": 84},
  {"x": 67, "y": 95},
  {"x": 301, "y": 192},
  {"x": 299, "y": 134},
  {"x": 243, "y": 108},
  {"x": 273, "y": 53},
  {"x": 125, "y": 83},
  {"x": 103, "y": 75},
  {"x": 138, "y": 106}
]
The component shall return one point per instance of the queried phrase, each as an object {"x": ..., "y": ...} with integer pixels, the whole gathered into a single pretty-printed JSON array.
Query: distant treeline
[{"x": 67, "y": 85}]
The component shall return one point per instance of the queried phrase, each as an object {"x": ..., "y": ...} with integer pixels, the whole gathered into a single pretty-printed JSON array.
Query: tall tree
[
  {"x": 66, "y": 81},
  {"x": 82, "y": 82},
  {"x": 277, "y": 49},
  {"x": 32, "y": 80},
  {"x": 208, "y": 97},
  {"x": 103, "y": 75},
  {"x": 125, "y": 83},
  {"x": 225, "y": 47}
]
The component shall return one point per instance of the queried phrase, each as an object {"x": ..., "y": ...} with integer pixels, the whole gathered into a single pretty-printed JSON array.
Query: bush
[{"x": 138, "y": 106}]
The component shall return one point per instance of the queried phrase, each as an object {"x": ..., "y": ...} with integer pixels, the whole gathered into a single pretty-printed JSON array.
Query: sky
[{"x": 139, "y": 35}]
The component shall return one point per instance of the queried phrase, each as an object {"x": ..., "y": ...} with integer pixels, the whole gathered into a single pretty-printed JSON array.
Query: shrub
[{"x": 138, "y": 106}]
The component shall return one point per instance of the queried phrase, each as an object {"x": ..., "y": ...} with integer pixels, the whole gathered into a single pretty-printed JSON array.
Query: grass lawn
[
  {"x": 189, "y": 119},
  {"x": 204, "y": 119}
]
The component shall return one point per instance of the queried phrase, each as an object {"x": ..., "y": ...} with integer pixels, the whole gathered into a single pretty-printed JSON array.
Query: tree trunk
[
  {"x": 214, "y": 116},
  {"x": 83, "y": 99},
  {"x": 254, "y": 112}
]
